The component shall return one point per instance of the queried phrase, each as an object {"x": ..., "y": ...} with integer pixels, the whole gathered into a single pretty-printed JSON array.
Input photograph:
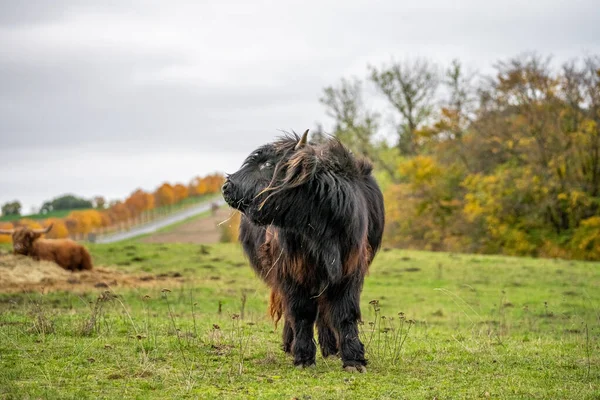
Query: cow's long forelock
[{"x": 301, "y": 167}]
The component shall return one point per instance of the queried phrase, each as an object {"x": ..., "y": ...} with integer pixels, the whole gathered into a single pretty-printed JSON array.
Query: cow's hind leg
[
  {"x": 345, "y": 312},
  {"x": 327, "y": 340},
  {"x": 302, "y": 311},
  {"x": 288, "y": 336}
]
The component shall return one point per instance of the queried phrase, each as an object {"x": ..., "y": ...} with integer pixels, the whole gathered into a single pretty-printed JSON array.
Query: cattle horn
[
  {"x": 6, "y": 231},
  {"x": 302, "y": 140},
  {"x": 45, "y": 230}
]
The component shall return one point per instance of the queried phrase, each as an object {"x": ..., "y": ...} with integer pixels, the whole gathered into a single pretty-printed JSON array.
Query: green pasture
[{"x": 436, "y": 326}]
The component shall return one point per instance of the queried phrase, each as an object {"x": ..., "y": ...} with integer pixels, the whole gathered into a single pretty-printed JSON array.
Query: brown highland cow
[{"x": 64, "y": 252}]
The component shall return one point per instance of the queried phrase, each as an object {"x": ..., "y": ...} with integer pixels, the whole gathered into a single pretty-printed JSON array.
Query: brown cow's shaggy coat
[{"x": 64, "y": 252}]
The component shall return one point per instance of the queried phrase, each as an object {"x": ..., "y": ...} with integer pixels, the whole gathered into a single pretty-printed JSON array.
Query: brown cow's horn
[
  {"x": 6, "y": 231},
  {"x": 302, "y": 140},
  {"x": 45, "y": 230}
]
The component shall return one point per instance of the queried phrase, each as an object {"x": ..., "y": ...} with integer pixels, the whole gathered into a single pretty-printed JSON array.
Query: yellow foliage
[
  {"x": 118, "y": 212},
  {"x": 208, "y": 184},
  {"x": 106, "y": 219},
  {"x": 181, "y": 192},
  {"x": 6, "y": 238},
  {"x": 165, "y": 195},
  {"x": 420, "y": 169},
  {"x": 59, "y": 228},
  {"x": 586, "y": 240},
  {"x": 230, "y": 229},
  {"x": 85, "y": 221},
  {"x": 139, "y": 201}
]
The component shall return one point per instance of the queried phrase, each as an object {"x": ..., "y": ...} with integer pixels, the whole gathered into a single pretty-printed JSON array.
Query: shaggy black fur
[{"x": 313, "y": 218}]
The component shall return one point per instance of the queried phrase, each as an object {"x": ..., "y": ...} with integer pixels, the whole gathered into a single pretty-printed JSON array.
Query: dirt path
[
  {"x": 154, "y": 226},
  {"x": 200, "y": 231}
]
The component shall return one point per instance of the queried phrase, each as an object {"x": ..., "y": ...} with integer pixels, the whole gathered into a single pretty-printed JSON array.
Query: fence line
[
  {"x": 127, "y": 229},
  {"x": 144, "y": 219}
]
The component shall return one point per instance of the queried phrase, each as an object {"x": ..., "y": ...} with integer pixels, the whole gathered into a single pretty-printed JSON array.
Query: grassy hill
[
  {"x": 480, "y": 327},
  {"x": 51, "y": 214}
]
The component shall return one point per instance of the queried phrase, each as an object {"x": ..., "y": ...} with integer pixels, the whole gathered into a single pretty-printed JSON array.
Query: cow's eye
[{"x": 266, "y": 164}]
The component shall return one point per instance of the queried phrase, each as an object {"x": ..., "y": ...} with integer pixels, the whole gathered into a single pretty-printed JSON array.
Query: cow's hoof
[
  {"x": 303, "y": 366},
  {"x": 355, "y": 368}
]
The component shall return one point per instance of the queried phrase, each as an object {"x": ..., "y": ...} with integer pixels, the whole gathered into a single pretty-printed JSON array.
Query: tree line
[
  {"x": 88, "y": 219},
  {"x": 502, "y": 163}
]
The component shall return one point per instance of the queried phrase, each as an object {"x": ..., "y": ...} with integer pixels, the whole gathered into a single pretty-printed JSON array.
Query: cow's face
[
  {"x": 266, "y": 167},
  {"x": 23, "y": 239}
]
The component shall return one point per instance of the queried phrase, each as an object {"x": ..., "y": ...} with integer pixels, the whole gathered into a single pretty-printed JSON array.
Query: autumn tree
[
  {"x": 59, "y": 228},
  {"x": 7, "y": 226},
  {"x": 208, "y": 184},
  {"x": 181, "y": 192},
  {"x": 456, "y": 114},
  {"x": 85, "y": 221},
  {"x": 508, "y": 165},
  {"x": 118, "y": 212},
  {"x": 197, "y": 186},
  {"x": 214, "y": 182},
  {"x": 139, "y": 201},
  {"x": 165, "y": 195}
]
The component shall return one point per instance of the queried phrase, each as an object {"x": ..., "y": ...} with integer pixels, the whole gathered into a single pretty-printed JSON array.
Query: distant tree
[
  {"x": 457, "y": 113},
  {"x": 140, "y": 201},
  {"x": 410, "y": 88},
  {"x": 66, "y": 202},
  {"x": 46, "y": 207},
  {"x": 215, "y": 181},
  {"x": 12, "y": 208},
  {"x": 165, "y": 195},
  {"x": 212, "y": 183},
  {"x": 99, "y": 202},
  {"x": 317, "y": 134},
  {"x": 181, "y": 192},
  {"x": 118, "y": 212},
  {"x": 354, "y": 125},
  {"x": 85, "y": 221}
]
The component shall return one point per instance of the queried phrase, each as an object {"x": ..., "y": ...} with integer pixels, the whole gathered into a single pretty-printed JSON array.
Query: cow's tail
[{"x": 275, "y": 306}]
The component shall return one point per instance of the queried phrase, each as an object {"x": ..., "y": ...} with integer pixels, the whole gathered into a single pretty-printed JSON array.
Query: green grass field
[{"x": 474, "y": 327}]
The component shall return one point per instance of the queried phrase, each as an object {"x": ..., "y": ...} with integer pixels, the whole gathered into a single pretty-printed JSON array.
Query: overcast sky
[{"x": 103, "y": 97}]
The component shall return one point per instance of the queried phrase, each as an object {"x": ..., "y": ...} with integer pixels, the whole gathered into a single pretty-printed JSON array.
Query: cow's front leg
[{"x": 302, "y": 311}]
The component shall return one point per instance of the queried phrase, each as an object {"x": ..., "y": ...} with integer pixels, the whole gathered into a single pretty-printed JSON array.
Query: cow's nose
[{"x": 225, "y": 186}]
